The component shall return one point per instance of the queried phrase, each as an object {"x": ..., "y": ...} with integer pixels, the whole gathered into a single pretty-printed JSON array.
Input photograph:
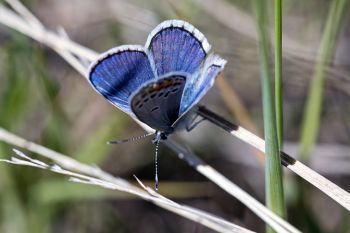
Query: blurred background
[{"x": 45, "y": 100}]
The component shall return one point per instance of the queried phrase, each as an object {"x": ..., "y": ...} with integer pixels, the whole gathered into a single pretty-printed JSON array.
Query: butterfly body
[{"x": 160, "y": 83}]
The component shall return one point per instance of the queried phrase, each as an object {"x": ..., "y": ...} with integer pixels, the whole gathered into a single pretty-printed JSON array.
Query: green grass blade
[
  {"x": 311, "y": 119},
  {"x": 273, "y": 171},
  {"x": 278, "y": 72}
]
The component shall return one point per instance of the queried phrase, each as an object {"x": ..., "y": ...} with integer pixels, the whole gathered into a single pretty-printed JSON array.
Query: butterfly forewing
[
  {"x": 176, "y": 46},
  {"x": 157, "y": 103},
  {"x": 119, "y": 72}
]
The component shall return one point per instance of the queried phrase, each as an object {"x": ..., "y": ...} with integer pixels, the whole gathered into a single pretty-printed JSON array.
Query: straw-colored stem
[
  {"x": 211, "y": 221},
  {"x": 73, "y": 165}
]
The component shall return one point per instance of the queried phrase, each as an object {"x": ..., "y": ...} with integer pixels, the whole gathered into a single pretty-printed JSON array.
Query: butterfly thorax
[{"x": 159, "y": 136}]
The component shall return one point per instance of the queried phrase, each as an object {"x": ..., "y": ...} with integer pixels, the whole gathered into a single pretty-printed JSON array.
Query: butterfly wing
[
  {"x": 157, "y": 103},
  {"x": 119, "y": 72},
  {"x": 175, "y": 50},
  {"x": 177, "y": 46},
  {"x": 199, "y": 83}
]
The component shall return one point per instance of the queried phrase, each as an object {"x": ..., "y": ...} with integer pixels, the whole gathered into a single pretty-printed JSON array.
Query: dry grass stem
[{"x": 201, "y": 217}]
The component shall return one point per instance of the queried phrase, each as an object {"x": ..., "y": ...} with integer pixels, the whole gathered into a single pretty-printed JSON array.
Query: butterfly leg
[{"x": 194, "y": 122}]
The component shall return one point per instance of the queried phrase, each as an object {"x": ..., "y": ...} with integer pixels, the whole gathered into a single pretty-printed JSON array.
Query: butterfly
[{"x": 159, "y": 83}]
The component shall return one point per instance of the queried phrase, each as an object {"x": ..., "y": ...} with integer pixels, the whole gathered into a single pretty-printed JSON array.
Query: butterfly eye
[
  {"x": 146, "y": 100},
  {"x": 153, "y": 95}
]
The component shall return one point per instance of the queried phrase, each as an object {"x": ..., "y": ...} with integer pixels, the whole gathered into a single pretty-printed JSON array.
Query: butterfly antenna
[
  {"x": 156, "y": 167},
  {"x": 132, "y": 139}
]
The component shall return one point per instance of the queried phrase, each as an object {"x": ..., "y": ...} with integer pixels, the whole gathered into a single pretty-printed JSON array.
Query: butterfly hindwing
[
  {"x": 120, "y": 72},
  {"x": 200, "y": 83},
  {"x": 177, "y": 46},
  {"x": 157, "y": 103}
]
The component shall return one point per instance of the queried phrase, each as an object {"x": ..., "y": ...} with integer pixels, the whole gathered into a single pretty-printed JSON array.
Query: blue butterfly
[{"x": 160, "y": 82}]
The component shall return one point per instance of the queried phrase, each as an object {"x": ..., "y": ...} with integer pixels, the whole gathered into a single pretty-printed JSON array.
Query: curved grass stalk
[
  {"x": 70, "y": 164},
  {"x": 211, "y": 221}
]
